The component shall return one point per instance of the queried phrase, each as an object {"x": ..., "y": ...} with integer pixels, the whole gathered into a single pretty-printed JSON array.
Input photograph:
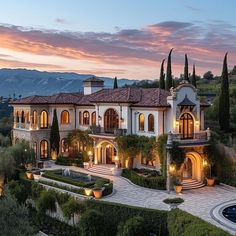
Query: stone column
[{"x": 169, "y": 146}]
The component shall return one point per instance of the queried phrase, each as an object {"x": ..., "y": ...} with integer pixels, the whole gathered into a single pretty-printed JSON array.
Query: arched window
[
  {"x": 141, "y": 122},
  {"x": 35, "y": 148},
  {"x": 44, "y": 149},
  {"x": 64, "y": 146},
  {"x": 17, "y": 117},
  {"x": 86, "y": 118},
  {"x": 111, "y": 121},
  {"x": 94, "y": 118},
  {"x": 65, "y": 117},
  {"x": 22, "y": 117},
  {"x": 186, "y": 126},
  {"x": 44, "y": 120},
  {"x": 35, "y": 118},
  {"x": 151, "y": 123},
  {"x": 80, "y": 118}
]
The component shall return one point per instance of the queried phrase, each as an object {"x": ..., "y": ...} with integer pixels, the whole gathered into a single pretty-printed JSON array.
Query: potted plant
[
  {"x": 210, "y": 180},
  {"x": 177, "y": 185},
  {"x": 29, "y": 175},
  {"x": 173, "y": 202},
  {"x": 97, "y": 190}
]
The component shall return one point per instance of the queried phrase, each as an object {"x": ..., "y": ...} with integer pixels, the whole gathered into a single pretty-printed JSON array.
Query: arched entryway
[
  {"x": 186, "y": 126},
  {"x": 192, "y": 167},
  {"x": 105, "y": 153}
]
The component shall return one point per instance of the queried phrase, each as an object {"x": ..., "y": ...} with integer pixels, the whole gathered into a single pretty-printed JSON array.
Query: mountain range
[{"x": 23, "y": 82}]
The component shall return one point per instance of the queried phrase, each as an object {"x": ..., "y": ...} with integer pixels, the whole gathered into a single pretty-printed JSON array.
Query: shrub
[
  {"x": 18, "y": 191},
  {"x": 36, "y": 189},
  {"x": 46, "y": 201},
  {"x": 182, "y": 223},
  {"x": 91, "y": 223},
  {"x": 72, "y": 207},
  {"x": 132, "y": 227},
  {"x": 176, "y": 200},
  {"x": 158, "y": 182}
]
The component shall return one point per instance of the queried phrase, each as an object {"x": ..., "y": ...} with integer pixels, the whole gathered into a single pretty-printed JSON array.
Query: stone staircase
[
  {"x": 102, "y": 169},
  {"x": 189, "y": 184}
]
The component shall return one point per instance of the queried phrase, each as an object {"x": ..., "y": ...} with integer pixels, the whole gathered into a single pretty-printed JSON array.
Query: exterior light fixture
[
  {"x": 172, "y": 168},
  {"x": 204, "y": 163}
]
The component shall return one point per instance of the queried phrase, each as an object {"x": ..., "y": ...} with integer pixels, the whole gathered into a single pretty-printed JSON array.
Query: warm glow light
[
  {"x": 172, "y": 168},
  {"x": 197, "y": 122},
  {"x": 88, "y": 191},
  {"x": 89, "y": 153},
  {"x": 116, "y": 158},
  {"x": 204, "y": 163},
  {"x": 176, "y": 123}
]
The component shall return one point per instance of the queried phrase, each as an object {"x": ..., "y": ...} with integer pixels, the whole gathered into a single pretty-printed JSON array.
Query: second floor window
[
  {"x": 35, "y": 118},
  {"x": 111, "y": 121},
  {"x": 150, "y": 123},
  {"x": 94, "y": 118},
  {"x": 86, "y": 118},
  {"x": 65, "y": 118},
  {"x": 141, "y": 122},
  {"x": 22, "y": 117},
  {"x": 44, "y": 120}
]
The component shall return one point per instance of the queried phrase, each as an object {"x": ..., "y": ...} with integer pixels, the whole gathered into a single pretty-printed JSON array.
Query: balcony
[
  {"x": 199, "y": 138},
  {"x": 98, "y": 131}
]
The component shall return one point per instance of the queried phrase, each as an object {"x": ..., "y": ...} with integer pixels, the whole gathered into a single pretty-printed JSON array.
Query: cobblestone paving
[{"x": 198, "y": 202}]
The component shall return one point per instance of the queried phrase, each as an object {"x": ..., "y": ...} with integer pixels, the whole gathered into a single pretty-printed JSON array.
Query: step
[{"x": 100, "y": 169}]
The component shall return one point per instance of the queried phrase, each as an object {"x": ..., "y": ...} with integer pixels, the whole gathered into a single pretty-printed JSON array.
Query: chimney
[{"x": 92, "y": 85}]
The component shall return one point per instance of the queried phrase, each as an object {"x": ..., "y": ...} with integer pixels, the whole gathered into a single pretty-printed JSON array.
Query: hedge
[
  {"x": 181, "y": 223},
  {"x": 158, "y": 182},
  {"x": 68, "y": 180},
  {"x": 114, "y": 214}
]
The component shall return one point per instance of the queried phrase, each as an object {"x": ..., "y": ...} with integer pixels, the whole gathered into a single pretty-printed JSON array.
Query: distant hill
[{"x": 30, "y": 82}]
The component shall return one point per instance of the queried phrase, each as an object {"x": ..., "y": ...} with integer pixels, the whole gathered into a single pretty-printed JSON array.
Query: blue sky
[{"x": 52, "y": 35}]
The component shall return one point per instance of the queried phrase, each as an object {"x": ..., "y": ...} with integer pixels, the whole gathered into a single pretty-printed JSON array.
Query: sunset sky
[{"x": 125, "y": 38}]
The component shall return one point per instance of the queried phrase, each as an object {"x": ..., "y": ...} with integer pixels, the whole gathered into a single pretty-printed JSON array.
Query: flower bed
[{"x": 145, "y": 178}]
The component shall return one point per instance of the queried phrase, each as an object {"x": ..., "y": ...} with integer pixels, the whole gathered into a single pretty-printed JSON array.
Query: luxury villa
[{"x": 120, "y": 111}]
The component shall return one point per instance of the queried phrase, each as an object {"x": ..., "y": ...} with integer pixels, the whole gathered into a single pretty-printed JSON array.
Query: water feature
[
  {"x": 81, "y": 177},
  {"x": 230, "y": 213}
]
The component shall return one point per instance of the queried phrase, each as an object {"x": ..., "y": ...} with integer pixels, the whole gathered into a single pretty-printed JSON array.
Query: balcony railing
[
  {"x": 197, "y": 137},
  {"x": 97, "y": 130}
]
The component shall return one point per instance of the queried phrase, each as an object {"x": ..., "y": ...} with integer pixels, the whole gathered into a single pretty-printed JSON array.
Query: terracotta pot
[
  {"x": 88, "y": 191},
  {"x": 97, "y": 193},
  {"x": 178, "y": 188},
  {"x": 29, "y": 175},
  {"x": 210, "y": 182}
]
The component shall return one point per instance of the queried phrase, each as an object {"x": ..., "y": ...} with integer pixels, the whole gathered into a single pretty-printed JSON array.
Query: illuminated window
[
  {"x": 64, "y": 146},
  {"x": 111, "y": 120},
  {"x": 65, "y": 117},
  {"x": 86, "y": 118},
  {"x": 94, "y": 118},
  {"x": 35, "y": 118},
  {"x": 44, "y": 120},
  {"x": 44, "y": 149},
  {"x": 186, "y": 126},
  {"x": 141, "y": 122},
  {"x": 151, "y": 123}
]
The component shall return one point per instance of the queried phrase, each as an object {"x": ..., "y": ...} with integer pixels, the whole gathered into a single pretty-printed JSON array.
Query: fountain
[
  {"x": 66, "y": 172},
  {"x": 89, "y": 178}
]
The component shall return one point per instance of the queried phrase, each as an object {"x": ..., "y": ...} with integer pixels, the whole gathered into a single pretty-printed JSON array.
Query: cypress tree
[
  {"x": 169, "y": 82},
  {"x": 193, "y": 79},
  {"x": 115, "y": 85},
  {"x": 54, "y": 133},
  {"x": 224, "y": 106},
  {"x": 186, "y": 68},
  {"x": 162, "y": 76}
]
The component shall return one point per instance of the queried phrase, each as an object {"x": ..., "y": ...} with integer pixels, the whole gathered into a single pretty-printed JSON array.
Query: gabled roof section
[
  {"x": 186, "y": 102},
  {"x": 31, "y": 100}
]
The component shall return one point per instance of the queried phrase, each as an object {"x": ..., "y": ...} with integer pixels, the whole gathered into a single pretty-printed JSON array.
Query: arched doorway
[
  {"x": 111, "y": 121},
  {"x": 186, "y": 126},
  {"x": 105, "y": 153},
  {"x": 192, "y": 167}
]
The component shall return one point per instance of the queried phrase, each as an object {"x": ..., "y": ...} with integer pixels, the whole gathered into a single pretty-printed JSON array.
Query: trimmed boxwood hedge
[
  {"x": 53, "y": 174},
  {"x": 158, "y": 182},
  {"x": 114, "y": 214},
  {"x": 181, "y": 223}
]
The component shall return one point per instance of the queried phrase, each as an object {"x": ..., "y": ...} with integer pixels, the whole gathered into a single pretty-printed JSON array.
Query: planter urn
[
  {"x": 29, "y": 175},
  {"x": 178, "y": 188},
  {"x": 210, "y": 182},
  {"x": 97, "y": 193}
]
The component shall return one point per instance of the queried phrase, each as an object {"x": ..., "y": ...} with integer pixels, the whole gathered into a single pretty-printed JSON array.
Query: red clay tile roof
[
  {"x": 149, "y": 97},
  {"x": 93, "y": 79}
]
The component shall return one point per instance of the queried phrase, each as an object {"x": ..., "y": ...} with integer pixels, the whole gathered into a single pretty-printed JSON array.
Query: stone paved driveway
[{"x": 198, "y": 202}]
